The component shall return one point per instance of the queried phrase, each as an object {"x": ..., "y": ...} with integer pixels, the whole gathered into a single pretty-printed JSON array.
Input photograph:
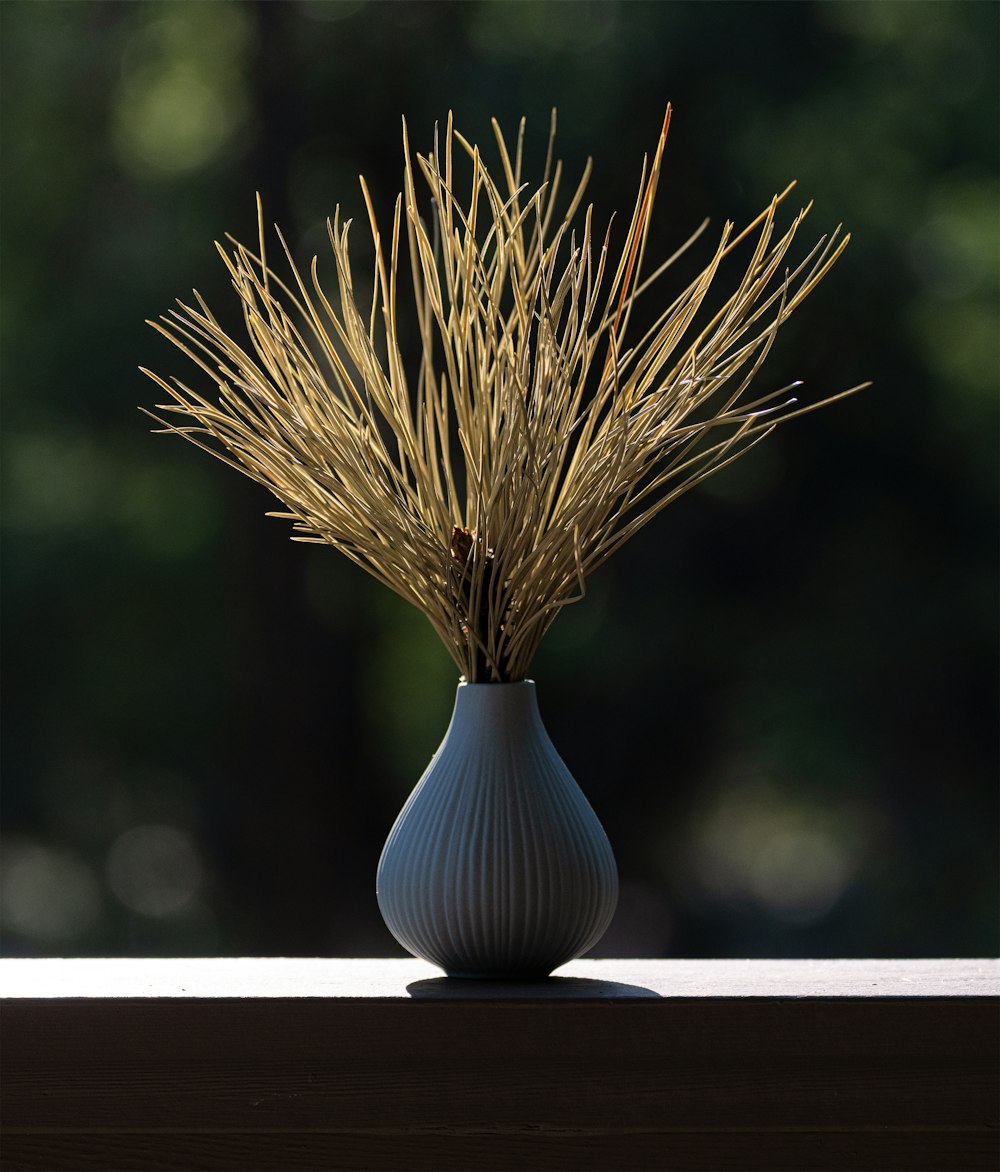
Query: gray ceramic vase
[{"x": 497, "y": 867}]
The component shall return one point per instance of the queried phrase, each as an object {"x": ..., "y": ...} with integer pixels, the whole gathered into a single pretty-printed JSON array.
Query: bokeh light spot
[
  {"x": 182, "y": 94},
  {"x": 170, "y": 510},
  {"x": 791, "y": 857},
  {"x": 52, "y": 481},
  {"x": 154, "y": 870},
  {"x": 47, "y": 895}
]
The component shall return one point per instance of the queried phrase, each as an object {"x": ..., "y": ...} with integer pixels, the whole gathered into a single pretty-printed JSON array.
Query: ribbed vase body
[{"x": 497, "y": 866}]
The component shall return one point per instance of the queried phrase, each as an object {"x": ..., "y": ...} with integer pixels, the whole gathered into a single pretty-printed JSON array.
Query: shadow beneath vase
[{"x": 546, "y": 989}]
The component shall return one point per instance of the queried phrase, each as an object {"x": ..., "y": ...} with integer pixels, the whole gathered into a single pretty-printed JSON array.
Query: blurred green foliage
[{"x": 781, "y": 698}]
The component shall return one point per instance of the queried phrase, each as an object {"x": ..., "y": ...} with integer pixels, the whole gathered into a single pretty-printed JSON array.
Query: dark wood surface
[{"x": 616, "y": 1065}]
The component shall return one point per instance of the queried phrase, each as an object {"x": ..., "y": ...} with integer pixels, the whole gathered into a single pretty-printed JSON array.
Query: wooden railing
[{"x": 612, "y": 1065}]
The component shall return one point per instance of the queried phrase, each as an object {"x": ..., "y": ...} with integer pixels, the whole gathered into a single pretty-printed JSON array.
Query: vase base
[{"x": 541, "y": 975}]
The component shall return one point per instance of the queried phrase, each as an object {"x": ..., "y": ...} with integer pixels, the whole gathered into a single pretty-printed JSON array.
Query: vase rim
[{"x": 498, "y": 684}]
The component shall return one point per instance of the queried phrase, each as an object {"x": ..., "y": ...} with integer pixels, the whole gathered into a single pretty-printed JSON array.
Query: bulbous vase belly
[{"x": 497, "y": 867}]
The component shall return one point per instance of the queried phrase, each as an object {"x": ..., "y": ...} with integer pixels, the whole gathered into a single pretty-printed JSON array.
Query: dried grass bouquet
[{"x": 535, "y": 436}]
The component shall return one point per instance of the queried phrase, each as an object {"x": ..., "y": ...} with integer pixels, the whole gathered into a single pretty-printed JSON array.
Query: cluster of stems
[{"x": 534, "y": 434}]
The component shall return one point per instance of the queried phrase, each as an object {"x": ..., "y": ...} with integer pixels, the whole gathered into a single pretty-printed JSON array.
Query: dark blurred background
[{"x": 781, "y": 698}]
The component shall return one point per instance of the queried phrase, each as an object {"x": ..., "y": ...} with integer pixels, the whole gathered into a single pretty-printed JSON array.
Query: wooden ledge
[
  {"x": 392, "y": 980},
  {"x": 617, "y": 1065}
]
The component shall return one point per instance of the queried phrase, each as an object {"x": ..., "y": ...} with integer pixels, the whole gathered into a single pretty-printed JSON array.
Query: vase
[{"x": 497, "y": 867}]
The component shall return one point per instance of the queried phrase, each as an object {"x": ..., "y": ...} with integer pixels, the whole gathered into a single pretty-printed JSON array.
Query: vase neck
[{"x": 499, "y": 707}]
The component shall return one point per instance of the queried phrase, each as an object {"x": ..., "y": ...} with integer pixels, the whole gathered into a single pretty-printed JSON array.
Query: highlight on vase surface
[{"x": 536, "y": 431}]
